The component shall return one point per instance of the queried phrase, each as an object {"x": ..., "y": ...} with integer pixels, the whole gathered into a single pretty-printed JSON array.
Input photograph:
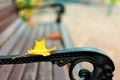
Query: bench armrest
[{"x": 103, "y": 65}]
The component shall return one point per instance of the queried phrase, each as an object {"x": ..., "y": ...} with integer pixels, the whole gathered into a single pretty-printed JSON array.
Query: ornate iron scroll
[{"x": 103, "y": 65}]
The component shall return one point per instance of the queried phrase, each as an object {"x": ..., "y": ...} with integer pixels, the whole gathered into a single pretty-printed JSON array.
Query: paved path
[{"x": 89, "y": 26}]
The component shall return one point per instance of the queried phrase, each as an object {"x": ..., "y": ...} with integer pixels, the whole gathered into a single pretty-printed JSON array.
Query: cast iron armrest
[{"x": 103, "y": 65}]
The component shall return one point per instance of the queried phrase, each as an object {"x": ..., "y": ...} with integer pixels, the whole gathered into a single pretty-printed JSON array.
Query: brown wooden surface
[
  {"x": 8, "y": 14},
  {"x": 22, "y": 39},
  {"x": 9, "y": 31}
]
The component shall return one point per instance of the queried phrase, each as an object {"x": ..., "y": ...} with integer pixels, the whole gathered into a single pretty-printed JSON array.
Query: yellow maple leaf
[{"x": 40, "y": 49}]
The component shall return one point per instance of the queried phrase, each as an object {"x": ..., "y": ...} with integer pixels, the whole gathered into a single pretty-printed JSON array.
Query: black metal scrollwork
[{"x": 103, "y": 65}]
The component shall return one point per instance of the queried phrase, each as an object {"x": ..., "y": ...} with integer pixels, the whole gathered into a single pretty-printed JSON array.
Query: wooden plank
[
  {"x": 30, "y": 72},
  {"x": 17, "y": 49},
  {"x": 45, "y": 72},
  {"x": 26, "y": 71},
  {"x": 17, "y": 72},
  {"x": 8, "y": 18},
  {"x": 18, "y": 69},
  {"x": 6, "y": 22},
  {"x": 7, "y": 33},
  {"x": 59, "y": 72},
  {"x": 5, "y": 12},
  {"x": 7, "y": 8},
  {"x": 41, "y": 31},
  {"x": 7, "y": 15},
  {"x": 45, "y": 68},
  {"x": 3, "y": 4},
  {"x": 6, "y": 48}
]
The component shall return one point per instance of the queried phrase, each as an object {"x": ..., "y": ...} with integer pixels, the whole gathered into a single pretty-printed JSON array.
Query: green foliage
[{"x": 26, "y": 8}]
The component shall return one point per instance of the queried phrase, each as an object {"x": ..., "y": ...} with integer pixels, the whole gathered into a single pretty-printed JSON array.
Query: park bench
[{"x": 17, "y": 38}]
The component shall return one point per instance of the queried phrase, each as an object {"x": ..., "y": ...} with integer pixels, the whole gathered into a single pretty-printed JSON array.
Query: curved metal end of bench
[{"x": 103, "y": 65}]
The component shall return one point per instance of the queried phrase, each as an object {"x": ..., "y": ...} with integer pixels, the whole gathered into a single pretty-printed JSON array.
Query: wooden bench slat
[
  {"x": 41, "y": 31},
  {"x": 6, "y": 12},
  {"x": 17, "y": 49},
  {"x": 43, "y": 68},
  {"x": 9, "y": 31},
  {"x": 5, "y": 70},
  {"x": 19, "y": 69},
  {"x": 30, "y": 72},
  {"x": 3, "y": 5},
  {"x": 6, "y": 22},
  {"x": 17, "y": 72},
  {"x": 6, "y": 48},
  {"x": 9, "y": 15},
  {"x": 58, "y": 71},
  {"x": 45, "y": 71},
  {"x": 22, "y": 68}
]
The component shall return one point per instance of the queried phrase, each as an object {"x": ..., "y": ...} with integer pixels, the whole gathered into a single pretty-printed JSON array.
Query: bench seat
[{"x": 22, "y": 38}]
